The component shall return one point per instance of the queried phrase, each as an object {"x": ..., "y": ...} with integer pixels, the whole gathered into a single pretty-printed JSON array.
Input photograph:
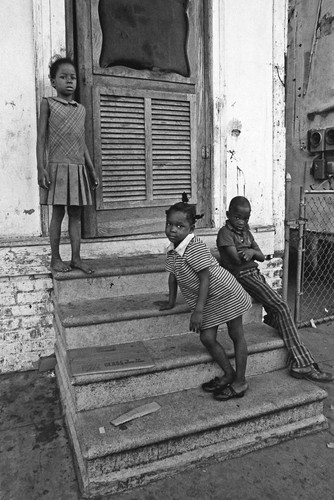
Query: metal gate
[{"x": 315, "y": 264}]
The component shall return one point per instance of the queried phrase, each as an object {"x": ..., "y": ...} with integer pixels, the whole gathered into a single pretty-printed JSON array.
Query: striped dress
[
  {"x": 226, "y": 298},
  {"x": 66, "y": 155}
]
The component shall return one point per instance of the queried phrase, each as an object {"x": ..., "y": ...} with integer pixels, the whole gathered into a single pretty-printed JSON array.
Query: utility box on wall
[{"x": 320, "y": 142}]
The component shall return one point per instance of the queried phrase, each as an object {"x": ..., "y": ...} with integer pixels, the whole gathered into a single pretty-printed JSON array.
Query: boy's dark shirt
[{"x": 228, "y": 237}]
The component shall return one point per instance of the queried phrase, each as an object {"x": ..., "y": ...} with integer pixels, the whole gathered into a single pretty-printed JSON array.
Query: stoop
[{"x": 116, "y": 305}]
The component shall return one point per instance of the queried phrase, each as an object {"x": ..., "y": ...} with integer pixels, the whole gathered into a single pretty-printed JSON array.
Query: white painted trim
[
  {"x": 49, "y": 41},
  {"x": 218, "y": 90},
  {"x": 280, "y": 15}
]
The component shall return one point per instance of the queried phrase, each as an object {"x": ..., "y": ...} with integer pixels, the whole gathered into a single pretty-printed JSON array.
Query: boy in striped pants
[{"x": 239, "y": 252}]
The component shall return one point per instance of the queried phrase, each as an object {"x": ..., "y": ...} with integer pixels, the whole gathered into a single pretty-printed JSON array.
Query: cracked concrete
[{"x": 36, "y": 460}]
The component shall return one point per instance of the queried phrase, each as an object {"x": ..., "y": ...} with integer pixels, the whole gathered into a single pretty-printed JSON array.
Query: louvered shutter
[{"x": 145, "y": 149}]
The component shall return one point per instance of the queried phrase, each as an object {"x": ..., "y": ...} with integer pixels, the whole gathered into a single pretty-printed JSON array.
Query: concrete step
[
  {"x": 113, "y": 277},
  {"x": 190, "y": 427},
  {"x": 115, "y": 320},
  {"x": 181, "y": 362}
]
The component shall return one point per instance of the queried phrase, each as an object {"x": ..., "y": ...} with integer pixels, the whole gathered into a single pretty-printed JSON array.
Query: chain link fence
[{"x": 315, "y": 263}]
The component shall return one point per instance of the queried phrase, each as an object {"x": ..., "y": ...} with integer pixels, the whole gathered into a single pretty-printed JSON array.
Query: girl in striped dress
[
  {"x": 63, "y": 162},
  {"x": 213, "y": 295}
]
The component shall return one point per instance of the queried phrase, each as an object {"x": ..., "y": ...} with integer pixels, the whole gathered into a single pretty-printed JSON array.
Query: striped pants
[{"x": 278, "y": 316}]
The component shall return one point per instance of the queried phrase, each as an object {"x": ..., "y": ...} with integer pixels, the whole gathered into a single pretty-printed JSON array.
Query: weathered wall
[
  {"x": 248, "y": 88},
  {"x": 309, "y": 84},
  {"x": 26, "y": 321},
  {"x": 30, "y": 33},
  {"x": 19, "y": 204}
]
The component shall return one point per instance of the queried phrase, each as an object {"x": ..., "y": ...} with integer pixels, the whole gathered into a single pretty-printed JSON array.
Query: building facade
[{"x": 221, "y": 90}]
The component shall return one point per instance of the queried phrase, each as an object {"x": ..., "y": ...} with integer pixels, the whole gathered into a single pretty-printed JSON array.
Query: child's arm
[
  {"x": 231, "y": 253},
  {"x": 91, "y": 169},
  {"x": 43, "y": 176},
  {"x": 172, "y": 285},
  {"x": 197, "y": 316},
  {"x": 246, "y": 255},
  {"x": 253, "y": 253}
]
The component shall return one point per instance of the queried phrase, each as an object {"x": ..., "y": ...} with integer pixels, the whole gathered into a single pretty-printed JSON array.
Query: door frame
[{"x": 89, "y": 217}]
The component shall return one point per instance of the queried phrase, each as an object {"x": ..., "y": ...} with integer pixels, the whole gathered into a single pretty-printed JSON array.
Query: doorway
[{"x": 143, "y": 78}]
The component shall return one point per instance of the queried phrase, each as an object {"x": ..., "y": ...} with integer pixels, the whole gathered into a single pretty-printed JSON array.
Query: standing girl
[
  {"x": 213, "y": 295},
  {"x": 62, "y": 174}
]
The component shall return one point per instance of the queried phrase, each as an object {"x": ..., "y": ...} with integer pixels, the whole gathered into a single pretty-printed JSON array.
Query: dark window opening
[{"x": 145, "y": 34}]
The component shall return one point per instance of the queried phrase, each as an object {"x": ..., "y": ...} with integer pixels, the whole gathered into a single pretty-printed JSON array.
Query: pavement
[{"x": 36, "y": 460}]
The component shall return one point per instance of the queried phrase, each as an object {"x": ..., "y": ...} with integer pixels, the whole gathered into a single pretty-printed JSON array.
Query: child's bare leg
[
  {"x": 74, "y": 228},
  {"x": 236, "y": 333},
  {"x": 58, "y": 212},
  {"x": 209, "y": 340}
]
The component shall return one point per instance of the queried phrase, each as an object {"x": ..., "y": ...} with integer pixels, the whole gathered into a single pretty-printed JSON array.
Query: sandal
[
  {"x": 212, "y": 385},
  {"x": 228, "y": 393}
]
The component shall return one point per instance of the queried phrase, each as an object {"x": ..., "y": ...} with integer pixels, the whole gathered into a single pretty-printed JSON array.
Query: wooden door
[{"x": 141, "y": 78}]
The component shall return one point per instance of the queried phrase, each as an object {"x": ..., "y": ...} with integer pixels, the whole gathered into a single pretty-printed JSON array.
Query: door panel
[
  {"x": 147, "y": 127},
  {"x": 144, "y": 147}
]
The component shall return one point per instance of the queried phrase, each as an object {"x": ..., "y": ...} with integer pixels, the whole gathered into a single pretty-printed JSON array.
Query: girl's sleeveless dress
[
  {"x": 66, "y": 155},
  {"x": 226, "y": 299}
]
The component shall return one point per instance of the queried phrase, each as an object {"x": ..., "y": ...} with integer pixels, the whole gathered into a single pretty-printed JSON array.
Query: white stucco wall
[
  {"x": 31, "y": 32},
  {"x": 248, "y": 153},
  {"x": 19, "y": 205}
]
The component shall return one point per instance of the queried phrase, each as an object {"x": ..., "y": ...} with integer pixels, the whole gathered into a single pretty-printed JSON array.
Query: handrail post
[
  {"x": 301, "y": 224},
  {"x": 285, "y": 277}
]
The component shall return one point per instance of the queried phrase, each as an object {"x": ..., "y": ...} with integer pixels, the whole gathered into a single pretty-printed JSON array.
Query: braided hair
[{"x": 188, "y": 209}]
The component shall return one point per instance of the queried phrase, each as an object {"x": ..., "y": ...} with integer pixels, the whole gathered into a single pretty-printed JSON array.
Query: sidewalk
[{"x": 36, "y": 460}]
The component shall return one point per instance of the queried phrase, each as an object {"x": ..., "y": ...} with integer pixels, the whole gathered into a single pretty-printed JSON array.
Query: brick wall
[
  {"x": 272, "y": 271},
  {"x": 25, "y": 321}
]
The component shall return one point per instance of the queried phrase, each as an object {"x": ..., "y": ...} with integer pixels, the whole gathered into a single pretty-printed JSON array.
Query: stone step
[
  {"x": 190, "y": 427},
  {"x": 124, "y": 319},
  {"x": 113, "y": 277},
  {"x": 181, "y": 362}
]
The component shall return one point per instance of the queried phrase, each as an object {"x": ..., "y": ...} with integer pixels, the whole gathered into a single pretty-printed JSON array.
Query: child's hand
[
  {"x": 247, "y": 254},
  {"x": 196, "y": 320},
  {"x": 43, "y": 178},
  {"x": 164, "y": 305},
  {"x": 96, "y": 181}
]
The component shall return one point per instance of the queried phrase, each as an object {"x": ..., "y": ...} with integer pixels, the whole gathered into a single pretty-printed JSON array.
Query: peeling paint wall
[
  {"x": 248, "y": 88},
  {"x": 31, "y": 31},
  {"x": 310, "y": 85},
  {"x": 19, "y": 204}
]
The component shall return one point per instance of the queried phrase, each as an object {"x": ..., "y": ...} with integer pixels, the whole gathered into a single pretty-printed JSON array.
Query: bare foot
[
  {"x": 239, "y": 387},
  {"x": 59, "y": 266},
  {"x": 78, "y": 264},
  {"x": 225, "y": 380}
]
